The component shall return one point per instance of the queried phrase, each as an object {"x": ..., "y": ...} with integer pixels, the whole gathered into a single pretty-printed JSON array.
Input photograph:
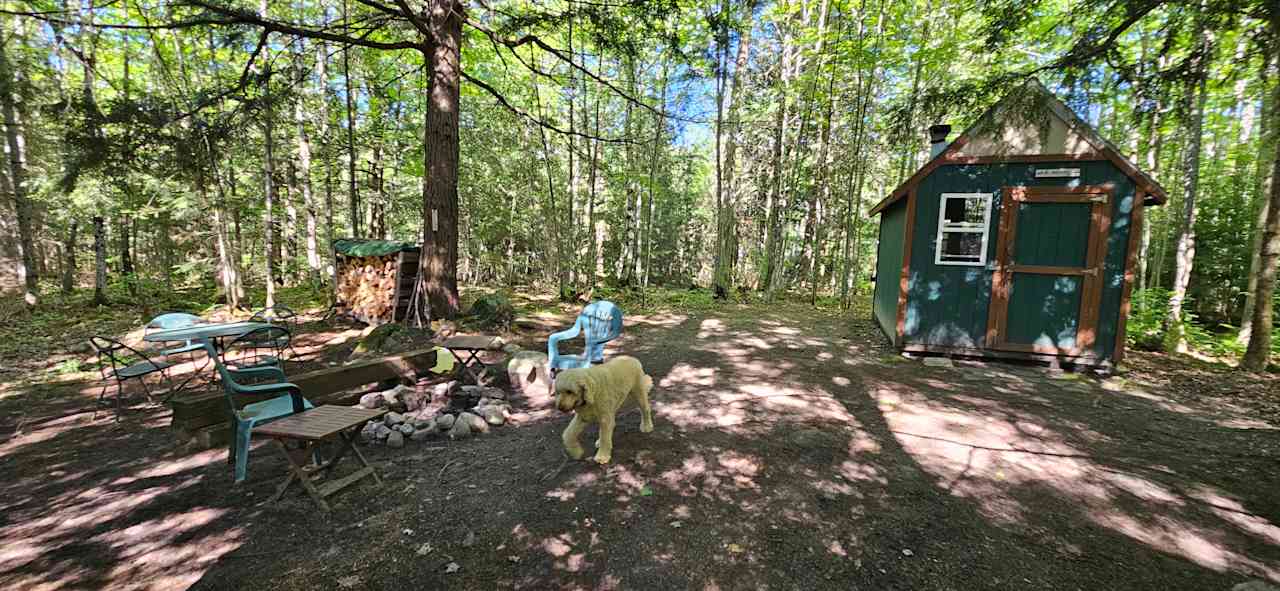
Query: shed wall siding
[
  {"x": 889, "y": 268},
  {"x": 947, "y": 306}
]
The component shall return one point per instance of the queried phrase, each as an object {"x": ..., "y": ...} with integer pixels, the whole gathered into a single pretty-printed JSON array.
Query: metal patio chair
[{"x": 119, "y": 362}]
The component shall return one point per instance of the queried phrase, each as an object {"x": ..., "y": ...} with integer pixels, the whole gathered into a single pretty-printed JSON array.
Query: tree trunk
[
  {"x": 438, "y": 276},
  {"x": 1193, "y": 107},
  {"x": 16, "y": 143},
  {"x": 326, "y": 145},
  {"x": 304, "y": 184},
  {"x": 126, "y": 255},
  {"x": 1267, "y": 139},
  {"x": 353, "y": 193},
  {"x": 660, "y": 126},
  {"x": 773, "y": 223},
  {"x": 726, "y": 260},
  {"x": 69, "y": 250},
  {"x": 99, "y": 261},
  {"x": 269, "y": 198},
  {"x": 1258, "y": 352},
  {"x": 595, "y": 256}
]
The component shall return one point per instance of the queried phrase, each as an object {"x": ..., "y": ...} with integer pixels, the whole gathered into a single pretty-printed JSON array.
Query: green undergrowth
[{"x": 1146, "y": 328}]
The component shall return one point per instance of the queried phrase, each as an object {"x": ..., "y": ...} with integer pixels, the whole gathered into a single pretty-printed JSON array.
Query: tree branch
[
  {"x": 237, "y": 16},
  {"x": 510, "y": 107}
]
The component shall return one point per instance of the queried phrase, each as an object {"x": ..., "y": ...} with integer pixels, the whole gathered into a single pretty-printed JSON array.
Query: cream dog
[{"x": 595, "y": 395}]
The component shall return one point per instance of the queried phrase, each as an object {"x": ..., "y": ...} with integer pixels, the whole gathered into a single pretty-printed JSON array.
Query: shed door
[{"x": 1048, "y": 279}]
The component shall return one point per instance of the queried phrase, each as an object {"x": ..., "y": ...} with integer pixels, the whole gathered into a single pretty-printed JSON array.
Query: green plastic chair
[{"x": 244, "y": 419}]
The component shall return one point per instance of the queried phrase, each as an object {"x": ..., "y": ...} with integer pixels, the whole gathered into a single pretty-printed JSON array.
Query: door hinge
[
  {"x": 1092, "y": 272},
  {"x": 1099, "y": 199}
]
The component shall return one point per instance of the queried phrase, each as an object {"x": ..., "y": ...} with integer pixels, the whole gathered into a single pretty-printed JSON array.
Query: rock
[
  {"x": 477, "y": 424},
  {"x": 444, "y": 422},
  {"x": 511, "y": 348},
  {"x": 369, "y": 433},
  {"x": 422, "y": 434},
  {"x": 938, "y": 362},
  {"x": 470, "y": 540},
  {"x": 405, "y": 428},
  {"x": 460, "y": 430},
  {"x": 381, "y": 431},
  {"x": 493, "y": 415},
  {"x": 445, "y": 389},
  {"x": 427, "y": 424},
  {"x": 390, "y": 399},
  {"x": 373, "y": 400},
  {"x": 393, "y": 418},
  {"x": 395, "y": 440},
  {"x": 1255, "y": 585},
  {"x": 415, "y": 400},
  {"x": 527, "y": 373}
]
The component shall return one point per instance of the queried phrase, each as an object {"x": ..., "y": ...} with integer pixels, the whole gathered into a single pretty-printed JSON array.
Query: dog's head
[{"x": 573, "y": 390}]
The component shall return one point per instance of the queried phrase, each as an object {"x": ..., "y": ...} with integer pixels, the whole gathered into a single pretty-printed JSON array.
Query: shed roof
[
  {"x": 1029, "y": 124},
  {"x": 356, "y": 247}
]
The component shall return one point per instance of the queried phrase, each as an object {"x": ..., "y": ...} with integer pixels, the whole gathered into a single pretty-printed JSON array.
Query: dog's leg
[
  {"x": 570, "y": 437},
  {"x": 604, "y": 452},
  {"x": 646, "y": 413}
]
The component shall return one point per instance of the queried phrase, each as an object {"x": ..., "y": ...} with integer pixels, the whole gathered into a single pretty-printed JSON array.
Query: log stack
[{"x": 367, "y": 287}]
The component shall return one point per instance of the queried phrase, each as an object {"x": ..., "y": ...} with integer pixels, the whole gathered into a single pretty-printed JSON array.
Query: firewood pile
[{"x": 367, "y": 287}]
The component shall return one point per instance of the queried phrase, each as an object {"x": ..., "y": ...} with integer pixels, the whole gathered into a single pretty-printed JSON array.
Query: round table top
[{"x": 201, "y": 332}]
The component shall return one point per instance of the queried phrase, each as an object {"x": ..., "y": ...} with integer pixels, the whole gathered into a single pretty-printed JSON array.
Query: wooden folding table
[
  {"x": 310, "y": 429},
  {"x": 472, "y": 346}
]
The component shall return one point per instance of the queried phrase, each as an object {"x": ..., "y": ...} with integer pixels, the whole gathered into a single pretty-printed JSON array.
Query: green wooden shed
[{"x": 1018, "y": 239}]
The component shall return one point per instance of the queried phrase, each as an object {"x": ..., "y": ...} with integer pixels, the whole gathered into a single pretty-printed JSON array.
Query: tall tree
[
  {"x": 13, "y": 106},
  {"x": 1193, "y": 111}
]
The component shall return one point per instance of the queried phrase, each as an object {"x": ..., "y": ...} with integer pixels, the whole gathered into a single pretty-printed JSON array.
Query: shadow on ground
[{"x": 792, "y": 450}]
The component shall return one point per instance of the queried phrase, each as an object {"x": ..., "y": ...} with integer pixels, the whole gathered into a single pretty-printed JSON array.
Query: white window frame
[{"x": 950, "y": 227}]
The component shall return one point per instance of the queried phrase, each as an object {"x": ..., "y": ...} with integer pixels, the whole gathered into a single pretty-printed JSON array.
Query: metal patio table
[{"x": 203, "y": 332}]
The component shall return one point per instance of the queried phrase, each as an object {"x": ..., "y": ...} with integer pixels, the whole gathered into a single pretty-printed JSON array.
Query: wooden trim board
[
  {"x": 1087, "y": 360},
  {"x": 1130, "y": 267},
  {"x": 904, "y": 281}
]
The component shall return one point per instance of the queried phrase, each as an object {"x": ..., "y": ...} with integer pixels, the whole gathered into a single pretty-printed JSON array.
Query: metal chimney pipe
[{"x": 938, "y": 139}]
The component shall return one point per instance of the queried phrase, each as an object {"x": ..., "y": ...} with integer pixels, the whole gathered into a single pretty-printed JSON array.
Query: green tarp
[{"x": 369, "y": 248}]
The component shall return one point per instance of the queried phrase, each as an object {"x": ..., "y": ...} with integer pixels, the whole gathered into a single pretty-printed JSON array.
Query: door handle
[{"x": 1092, "y": 272}]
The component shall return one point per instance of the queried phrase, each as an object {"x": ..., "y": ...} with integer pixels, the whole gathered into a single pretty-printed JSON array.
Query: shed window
[{"x": 963, "y": 224}]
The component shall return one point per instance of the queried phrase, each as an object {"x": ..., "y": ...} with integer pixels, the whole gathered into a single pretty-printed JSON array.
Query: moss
[{"x": 492, "y": 311}]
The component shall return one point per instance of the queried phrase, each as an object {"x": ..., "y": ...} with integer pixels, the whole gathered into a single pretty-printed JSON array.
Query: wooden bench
[
  {"x": 200, "y": 418},
  {"x": 308, "y": 430}
]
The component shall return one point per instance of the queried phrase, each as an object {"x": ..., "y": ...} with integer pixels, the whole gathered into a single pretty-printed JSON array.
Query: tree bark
[
  {"x": 1267, "y": 139},
  {"x": 726, "y": 260},
  {"x": 438, "y": 275},
  {"x": 16, "y": 146},
  {"x": 304, "y": 184},
  {"x": 1193, "y": 107},
  {"x": 69, "y": 250},
  {"x": 353, "y": 192},
  {"x": 1258, "y": 352},
  {"x": 99, "y": 261},
  {"x": 269, "y": 197}
]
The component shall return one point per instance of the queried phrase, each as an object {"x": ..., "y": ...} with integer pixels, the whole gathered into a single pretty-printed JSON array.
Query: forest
[{"x": 578, "y": 146}]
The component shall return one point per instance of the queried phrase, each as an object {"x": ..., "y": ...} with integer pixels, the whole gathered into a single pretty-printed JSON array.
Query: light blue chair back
[
  {"x": 172, "y": 320},
  {"x": 599, "y": 323}
]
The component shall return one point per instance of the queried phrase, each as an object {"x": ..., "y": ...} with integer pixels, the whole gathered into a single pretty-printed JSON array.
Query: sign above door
[{"x": 1057, "y": 173}]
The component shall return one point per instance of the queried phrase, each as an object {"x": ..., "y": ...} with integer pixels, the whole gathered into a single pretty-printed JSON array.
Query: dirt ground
[{"x": 793, "y": 450}]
